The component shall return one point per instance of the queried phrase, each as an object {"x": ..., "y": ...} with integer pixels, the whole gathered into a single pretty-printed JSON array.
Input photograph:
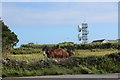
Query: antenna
[{"x": 83, "y": 32}]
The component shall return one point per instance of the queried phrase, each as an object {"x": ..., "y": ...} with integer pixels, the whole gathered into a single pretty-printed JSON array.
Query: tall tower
[{"x": 82, "y": 36}]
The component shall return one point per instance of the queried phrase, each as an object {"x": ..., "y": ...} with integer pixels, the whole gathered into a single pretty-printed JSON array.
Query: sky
[
  {"x": 56, "y": 22},
  {"x": 59, "y": 0}
]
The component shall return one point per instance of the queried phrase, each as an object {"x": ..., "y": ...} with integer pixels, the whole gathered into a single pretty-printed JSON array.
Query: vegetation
[
  {"x": 77, "y": 53},
  {"x": 28, "y": 57},
  {"x": 72, "y": 65},
  {"x": 71, "y": 45},
  {"x": 9, "y": 38},
  {"x": 32, "y": 48},
  {"x": 94, "y": 52}
]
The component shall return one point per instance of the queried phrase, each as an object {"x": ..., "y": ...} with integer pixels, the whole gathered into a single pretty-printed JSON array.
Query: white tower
[{"x": 83, "y": 32}]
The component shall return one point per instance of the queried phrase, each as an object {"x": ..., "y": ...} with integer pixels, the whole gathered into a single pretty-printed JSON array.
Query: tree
[{"x": 9, "y": 38}]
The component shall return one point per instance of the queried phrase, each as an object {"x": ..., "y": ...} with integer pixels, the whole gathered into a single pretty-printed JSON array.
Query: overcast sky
[{"x": 54, "y": 22}]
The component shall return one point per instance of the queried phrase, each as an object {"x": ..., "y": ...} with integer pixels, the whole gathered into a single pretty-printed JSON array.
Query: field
[
  {"x": 95, "y": 52},
  {"x": 109, "y": 63},
  {"x": 28, "y": 60},
  {"x": 29, "y": 57},
  {"x": 77, "y": 53}
]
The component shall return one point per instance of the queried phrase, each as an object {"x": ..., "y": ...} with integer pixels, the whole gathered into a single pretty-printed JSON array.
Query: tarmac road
[{"x": 114, "y": 76}]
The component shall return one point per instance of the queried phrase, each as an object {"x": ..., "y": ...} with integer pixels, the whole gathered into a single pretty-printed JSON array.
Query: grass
[
  {"x": 78, "y": 53},
  {"x": 97, "y": 52},
  {"x": 53, "y": 70},
  {"x": 0, "y": 55},
  {"x": 73, "y": 65},
  {"x": 29, "y": 57}
]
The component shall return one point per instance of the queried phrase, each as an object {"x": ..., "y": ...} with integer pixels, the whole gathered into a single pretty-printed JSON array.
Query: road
[{"x": 115, "y": 76}]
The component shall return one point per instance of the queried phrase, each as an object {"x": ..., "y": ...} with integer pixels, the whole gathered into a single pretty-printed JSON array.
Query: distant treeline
[
  {"x": 71, "y": 45},
  {"x": 37, "y": 48}
]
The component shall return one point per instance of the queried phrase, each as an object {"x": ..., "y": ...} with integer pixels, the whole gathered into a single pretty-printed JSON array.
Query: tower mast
[{"x": 83, "y": 33}]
